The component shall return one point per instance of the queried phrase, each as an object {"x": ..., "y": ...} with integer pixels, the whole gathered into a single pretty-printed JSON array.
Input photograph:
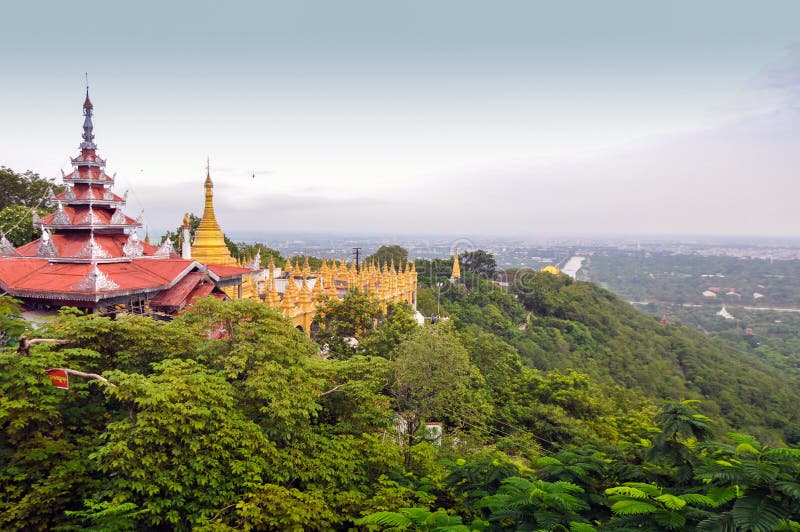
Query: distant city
[{"x": 522, "y": 252}]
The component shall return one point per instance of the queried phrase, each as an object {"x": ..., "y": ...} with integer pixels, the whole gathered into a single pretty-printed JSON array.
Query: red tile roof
[
  {"x": 70, "y": 244},
  {"x": 83, "y": 192},
  {"x": 77, "y": 213},
  {"x": 178, "y": 294},
  {"x": 36, "y": 277}
]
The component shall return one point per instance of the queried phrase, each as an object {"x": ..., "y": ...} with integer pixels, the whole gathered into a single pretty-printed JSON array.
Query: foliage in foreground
[{"x": 256, "y": 431}]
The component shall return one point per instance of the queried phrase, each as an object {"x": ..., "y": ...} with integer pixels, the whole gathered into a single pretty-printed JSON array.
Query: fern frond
[
  {"x": 670, "y": 520},
  {"x": 756, "y": 513},
  {"x": 792, "y": 489},
  {"x": 575, "y": 526},
  {"x": 392, "y": 519},
  {"x": 633, "y": 507},
  {"x": 671, "y": 501},
  {"x": 697, "y": 499},
  {"x": 719, "y": 523}
]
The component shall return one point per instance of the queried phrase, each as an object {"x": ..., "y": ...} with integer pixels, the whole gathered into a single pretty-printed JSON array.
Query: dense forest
[{"x": 561, "y": 408}]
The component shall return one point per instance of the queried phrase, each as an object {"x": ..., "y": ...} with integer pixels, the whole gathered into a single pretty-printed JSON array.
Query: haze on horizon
[{"x": 451, "y": 117}]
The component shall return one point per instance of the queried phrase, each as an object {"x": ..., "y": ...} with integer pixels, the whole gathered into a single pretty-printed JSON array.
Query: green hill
[{"x": 556, "y": 323}]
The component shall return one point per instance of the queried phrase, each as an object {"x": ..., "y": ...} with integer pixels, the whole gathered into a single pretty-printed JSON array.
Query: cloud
[{"x": 784, "y": 76}]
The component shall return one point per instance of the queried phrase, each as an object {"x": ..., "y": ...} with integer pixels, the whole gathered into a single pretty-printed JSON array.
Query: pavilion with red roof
[{"x": 90, "y": 256}]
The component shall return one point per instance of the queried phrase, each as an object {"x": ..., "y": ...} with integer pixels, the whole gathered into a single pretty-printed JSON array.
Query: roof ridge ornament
[
  {"x": 6, "y": 247},
  {"x": 46, "y": 247},
  {"x": 91, "y": 217},
  {"x": 60, "y": 217},
  {"x": 133, "y": 249},
  {"x": 70, "y": 194},
  {"x": 165, "y": 250},
  {"x": 93, "y": 250},
  {"x": 50, "y": 198},
  {"x": 95, "y": 281},
  {"x": 118, "y": 218}
]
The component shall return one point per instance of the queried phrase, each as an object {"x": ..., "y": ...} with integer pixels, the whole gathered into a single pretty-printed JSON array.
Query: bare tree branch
[
  {"x": 334, "y": 389},
  {"x": 24, "y": 347},
  {"x": 86, "y": 375}
]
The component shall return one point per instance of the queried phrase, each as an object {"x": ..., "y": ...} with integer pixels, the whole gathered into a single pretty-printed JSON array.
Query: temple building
[
  {"x": 295, "y": 290},
  {"x": 90, "y": 255}
]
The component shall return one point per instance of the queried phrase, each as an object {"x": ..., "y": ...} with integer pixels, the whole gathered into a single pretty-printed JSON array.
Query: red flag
[{"x": 59, "y": 378}]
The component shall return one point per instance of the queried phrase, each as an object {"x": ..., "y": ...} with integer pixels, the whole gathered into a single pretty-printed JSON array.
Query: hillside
[{"x": 556, "y": 323}]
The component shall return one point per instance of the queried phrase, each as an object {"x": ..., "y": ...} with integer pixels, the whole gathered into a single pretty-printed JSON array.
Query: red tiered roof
[
  {"x": 36, "y": 277},
  {"x": 77, "y": 213},
  {"x": 78, "y": 272},
  {"x": 69, "y": 245}
]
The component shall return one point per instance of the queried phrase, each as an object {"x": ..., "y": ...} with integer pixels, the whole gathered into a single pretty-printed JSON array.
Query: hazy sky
[{"x": 443, "y": 117}]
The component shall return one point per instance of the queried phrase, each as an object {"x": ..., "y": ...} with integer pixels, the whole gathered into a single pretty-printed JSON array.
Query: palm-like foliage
[
  {"x": 762, "y": 483},
  {"x": 418, "y": 519},
  {"x": 680, "y": 425},
  {"x": 646, "y": 505},
  {"x": 521, "y": 504}
]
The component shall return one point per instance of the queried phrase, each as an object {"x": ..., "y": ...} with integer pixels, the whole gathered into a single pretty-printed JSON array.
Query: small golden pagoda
[
  {"x": 456, "y": 275},
  {"x": 550, "y": 269}
]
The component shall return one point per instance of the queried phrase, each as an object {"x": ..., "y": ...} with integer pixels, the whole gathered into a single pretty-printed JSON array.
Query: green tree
[
  {"x": 352, "y": 317},
  {"x": 479, "y": 262},
  {"x": 26, "y": 189},
  {"x": 758, "y": 484},
  {"x": 392, "y": 328},
  {"x": 184, "y": 452},
  {"x": 16, "y": 223},
  {"x": 387, "y": 254},
  {"x": 680, "y": 426},
  {"x": 640, "y": 505},
  {"x": 420, "y": 519},
  {"x": 537, "y": 505},
  {"x": 11, "y": 323},
  {"x": 433, "y": 379}
]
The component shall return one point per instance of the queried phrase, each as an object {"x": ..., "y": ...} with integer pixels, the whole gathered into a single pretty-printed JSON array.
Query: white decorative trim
[
  {"x": 95, "y": 281},
  {"x": 46, "y": 248},
  {"x": 108, "y": 195},
  {"x": 93, "y": 250},
  {"x": 118, "y": 218},
  {"x": 91, "y": 217},
  {"x": 133, "y": 249},
  {"x": 6, "y": 247},
  {"x": 165, "y": 250},
  {"x": 61, "y": 217},
  {"x": 70, "y": 194}
]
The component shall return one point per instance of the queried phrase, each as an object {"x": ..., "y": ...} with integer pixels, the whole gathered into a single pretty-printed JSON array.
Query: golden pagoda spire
[
  {"x": 287, "y": 267},
  {"x": 306, "y": 267},
  {"x": 209, "y": 241},
  {"x": 317, "y": 290},
  {"x": 456, "y": 267},
  {"x": 304, "y": 298},
  {"x": 273, "y": 298}
]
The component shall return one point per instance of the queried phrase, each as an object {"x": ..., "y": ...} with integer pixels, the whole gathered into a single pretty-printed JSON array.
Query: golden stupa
[
  {"x": 208, "y": 246},
  {"x": 456, "y": 267}
]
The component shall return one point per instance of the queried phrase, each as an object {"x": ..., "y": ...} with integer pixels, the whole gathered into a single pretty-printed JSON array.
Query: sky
[{"x": 448, "y": 117}]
